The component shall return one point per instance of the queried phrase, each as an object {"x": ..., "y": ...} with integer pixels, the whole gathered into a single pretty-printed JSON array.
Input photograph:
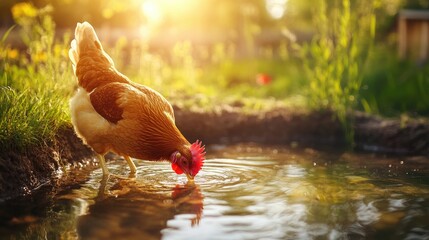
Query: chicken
[{"x": 110, "y": 113}]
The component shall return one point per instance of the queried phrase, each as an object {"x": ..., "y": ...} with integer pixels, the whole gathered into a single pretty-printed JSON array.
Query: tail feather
[
  {"x": 73, "y": 54},
  {"x": 85, "y": 40}
]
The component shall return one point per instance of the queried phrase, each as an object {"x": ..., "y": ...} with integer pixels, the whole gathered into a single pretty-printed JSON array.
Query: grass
[
  {"x": 36, "y": 84},
  {"x": 334, "y": 60},
  {"x": 393, "y": 86},
  {"x": 28, "y": 119},
  {"x": 34, "y": 87},
  {"x": 204, "y": 78}
]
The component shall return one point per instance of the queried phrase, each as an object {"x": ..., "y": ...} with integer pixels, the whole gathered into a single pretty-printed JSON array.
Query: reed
[{"x": 334, "y": 61}]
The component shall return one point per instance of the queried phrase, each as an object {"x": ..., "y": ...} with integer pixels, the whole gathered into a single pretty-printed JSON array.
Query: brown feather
[
  {"x": 156, "y": 133},
  {"x": 103, "y": 99},
  {"x": 94, "y": 70}
]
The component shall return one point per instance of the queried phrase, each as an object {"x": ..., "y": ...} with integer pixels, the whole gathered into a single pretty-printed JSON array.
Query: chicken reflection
[{"x": 131, "y": 210}]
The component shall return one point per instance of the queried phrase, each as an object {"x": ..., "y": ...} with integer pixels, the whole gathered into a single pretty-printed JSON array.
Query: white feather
[{"x": 86, "y": 121}]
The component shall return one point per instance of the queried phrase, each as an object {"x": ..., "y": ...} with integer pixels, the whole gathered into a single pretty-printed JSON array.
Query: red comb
[{"x": 198, "y": 156}]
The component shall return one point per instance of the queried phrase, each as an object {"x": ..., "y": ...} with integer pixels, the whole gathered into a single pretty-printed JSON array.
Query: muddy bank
[
  {"x": 280, "y": 126},
  {"x": 41, "y": 165},
  {"x": 22, "y": 173},
  {"x": 394, "y": 136}
]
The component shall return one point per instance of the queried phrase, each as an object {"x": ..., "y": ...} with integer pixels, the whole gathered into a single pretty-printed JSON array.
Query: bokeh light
[
  {"x": 152, "y": 11},
  {"x": 276, "y": 8}
]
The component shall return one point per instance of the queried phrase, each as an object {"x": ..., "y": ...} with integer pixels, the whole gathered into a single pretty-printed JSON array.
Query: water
[{"x": 243, "y": 192}]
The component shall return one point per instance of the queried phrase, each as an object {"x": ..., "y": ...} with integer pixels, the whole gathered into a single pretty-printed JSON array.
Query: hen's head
[{"x": 189, "y": 160}]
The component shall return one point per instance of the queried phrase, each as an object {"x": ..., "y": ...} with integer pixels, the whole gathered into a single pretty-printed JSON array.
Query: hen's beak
[{"x": 190, "y": 177}]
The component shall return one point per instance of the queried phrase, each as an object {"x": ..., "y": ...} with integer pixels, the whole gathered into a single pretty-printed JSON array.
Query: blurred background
[{"x": 335, "y": 54}]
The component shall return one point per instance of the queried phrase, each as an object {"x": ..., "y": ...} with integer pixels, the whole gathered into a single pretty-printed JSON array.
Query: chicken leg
[
  {"x": 103, "y": 164},
  {"x": 130, "y": 162}
]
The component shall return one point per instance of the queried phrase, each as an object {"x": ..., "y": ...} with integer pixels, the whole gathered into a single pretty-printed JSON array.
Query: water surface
[{"x": 242, "y": 192}]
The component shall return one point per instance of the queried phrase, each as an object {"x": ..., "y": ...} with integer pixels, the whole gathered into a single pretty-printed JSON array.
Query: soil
[
  {"x": 392, "y": 136},
  {"x": 277, "y": 126},
  {"x": 40, "y": 166},
  {"x": 20, "y": 174}
]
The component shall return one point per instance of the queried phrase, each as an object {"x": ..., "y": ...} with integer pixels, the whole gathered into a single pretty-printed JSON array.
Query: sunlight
[
  {"x": 152, "y": 10},
  {"x": 157, "y": 10},
  {"x": 276, "y": 8}
]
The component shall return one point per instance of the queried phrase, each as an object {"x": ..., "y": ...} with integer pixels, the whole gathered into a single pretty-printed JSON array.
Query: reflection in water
[
  {"x": 244, "y": 192},
  {"x": 131, "y": 209}
]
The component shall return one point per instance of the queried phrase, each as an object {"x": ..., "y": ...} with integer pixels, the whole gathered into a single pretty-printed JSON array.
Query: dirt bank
[
  {"x": 394, "y": 136},
  {"x": 21, "y": 173},
  {"x": 40, "y": 165},
  {"x": 281, "y": 126}
]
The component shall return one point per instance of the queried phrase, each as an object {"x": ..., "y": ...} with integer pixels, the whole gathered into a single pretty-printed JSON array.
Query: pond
[{"x": 243, "y": 192}]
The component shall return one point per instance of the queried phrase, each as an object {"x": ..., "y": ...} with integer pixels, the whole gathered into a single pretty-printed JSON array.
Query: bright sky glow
[
  {"x": 276, "y": 8},
  {"x": 152, "y": 10}
]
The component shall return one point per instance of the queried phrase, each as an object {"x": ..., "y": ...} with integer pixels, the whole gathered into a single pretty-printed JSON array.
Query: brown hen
[{"x": 113, "y": 114}]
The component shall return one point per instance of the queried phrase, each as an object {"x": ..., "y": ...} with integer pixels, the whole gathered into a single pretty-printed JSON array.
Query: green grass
[
  {"x": 393, "y": 86},
  {"x": 34, "y": 87},
  {"x": 28, "y": 118},
  {"x": 334, "y": 60},
  {"x": 206, "y": 78}
]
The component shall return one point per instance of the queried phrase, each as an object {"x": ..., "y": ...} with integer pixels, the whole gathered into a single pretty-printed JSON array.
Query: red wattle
[{"x": 176, "y": 168}]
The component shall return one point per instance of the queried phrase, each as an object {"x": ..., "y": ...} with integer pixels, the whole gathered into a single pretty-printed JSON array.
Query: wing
[
  {"x": 104, "y": 100},
  {"x": 112, "y": 100},
  {"x": 158, "y": 98}
]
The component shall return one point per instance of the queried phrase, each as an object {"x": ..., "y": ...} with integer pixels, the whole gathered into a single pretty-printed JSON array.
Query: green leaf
[{"x": 6, "y": 34}]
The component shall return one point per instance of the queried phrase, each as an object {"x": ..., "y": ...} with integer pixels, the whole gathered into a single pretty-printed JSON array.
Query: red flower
[{"x": 263, "y": 79}]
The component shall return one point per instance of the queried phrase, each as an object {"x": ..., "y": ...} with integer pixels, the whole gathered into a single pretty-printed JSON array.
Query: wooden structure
[{"x": 413, "y": 34}]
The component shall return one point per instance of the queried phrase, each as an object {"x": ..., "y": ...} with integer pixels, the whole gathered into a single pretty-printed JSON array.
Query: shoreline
[{"x": 21, "y": 174}]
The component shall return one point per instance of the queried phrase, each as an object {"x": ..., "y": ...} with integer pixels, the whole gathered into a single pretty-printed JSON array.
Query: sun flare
[
  {"x": 152, "y": 10},
  {"x": 276, "y": 8}
]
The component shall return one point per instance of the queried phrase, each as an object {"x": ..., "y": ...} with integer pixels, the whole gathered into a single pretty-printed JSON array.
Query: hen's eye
[
  {"x": 185, "y": 161},
  {"x": 178, "y": 155}
]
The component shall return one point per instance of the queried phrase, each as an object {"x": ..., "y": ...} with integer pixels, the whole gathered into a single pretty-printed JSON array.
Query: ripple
[
  {"x": 220, "y": 174},
  {"x": 254, "y": 197},
  {"x": 231, "y": 174}
]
